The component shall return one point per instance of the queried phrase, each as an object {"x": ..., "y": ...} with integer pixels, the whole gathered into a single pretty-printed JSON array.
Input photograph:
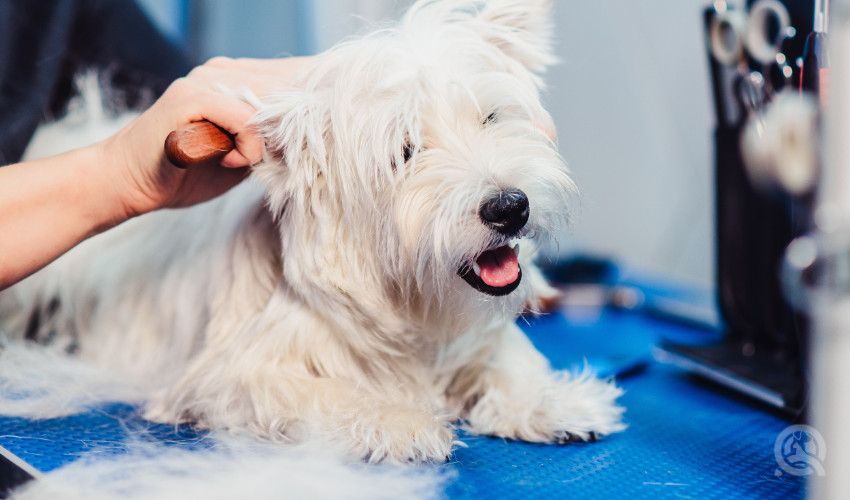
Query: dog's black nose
[{"x": 506, "y": 211}]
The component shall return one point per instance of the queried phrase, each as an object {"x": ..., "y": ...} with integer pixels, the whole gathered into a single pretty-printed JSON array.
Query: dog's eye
[
  {"x": 491, "y": 118},
  {"x": 408, "y": 152}
]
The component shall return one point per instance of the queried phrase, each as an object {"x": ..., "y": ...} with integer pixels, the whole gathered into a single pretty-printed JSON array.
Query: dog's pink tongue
[{"x": 499, "y": 267}]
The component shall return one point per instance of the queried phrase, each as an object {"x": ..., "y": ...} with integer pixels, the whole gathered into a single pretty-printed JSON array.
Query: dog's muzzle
[{"x": 497, "y": 271}]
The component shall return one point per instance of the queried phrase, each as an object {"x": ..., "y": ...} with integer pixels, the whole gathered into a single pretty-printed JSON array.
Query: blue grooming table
[{"x": 686, "y": 438}]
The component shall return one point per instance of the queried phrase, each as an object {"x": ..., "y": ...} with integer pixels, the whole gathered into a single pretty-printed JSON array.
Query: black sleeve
[{"x": 44, "y": 43}]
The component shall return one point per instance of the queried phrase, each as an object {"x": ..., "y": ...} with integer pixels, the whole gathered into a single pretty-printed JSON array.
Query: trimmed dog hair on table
[{"x": 361, "y": 289}]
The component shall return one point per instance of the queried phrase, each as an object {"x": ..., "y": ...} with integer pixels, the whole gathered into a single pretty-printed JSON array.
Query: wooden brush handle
[{"x": 196, "y": 143}]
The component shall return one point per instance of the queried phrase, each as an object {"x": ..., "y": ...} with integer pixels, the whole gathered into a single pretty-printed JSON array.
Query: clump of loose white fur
[
  {"x": 38, "y": 383},
  {"x": 230, "y": 469},
  {"x": 148, "y": 472}
]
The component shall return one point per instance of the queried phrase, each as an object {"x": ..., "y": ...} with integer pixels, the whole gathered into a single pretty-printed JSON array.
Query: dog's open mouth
[{"x": 496, "y": 272}]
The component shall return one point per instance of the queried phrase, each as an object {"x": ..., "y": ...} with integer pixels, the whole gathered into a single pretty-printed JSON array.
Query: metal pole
[{"x": 830, "y": 339}]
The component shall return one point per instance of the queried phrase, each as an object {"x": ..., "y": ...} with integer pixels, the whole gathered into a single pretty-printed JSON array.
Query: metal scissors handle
[{"x": 734, "y": 34}]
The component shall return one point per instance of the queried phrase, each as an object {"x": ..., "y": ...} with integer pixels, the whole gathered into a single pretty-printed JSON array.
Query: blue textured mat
[
  {"x": 51, "y": 443},
  {"x": 686, "y": 439}
]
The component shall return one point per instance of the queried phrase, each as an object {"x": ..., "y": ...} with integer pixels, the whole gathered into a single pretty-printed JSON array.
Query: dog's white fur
[
  {"x": 229, "y": 469},
  {"x": 322, "y": 298}
]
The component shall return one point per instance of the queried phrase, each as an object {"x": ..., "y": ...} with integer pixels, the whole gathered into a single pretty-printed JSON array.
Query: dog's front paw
[
  {"x": 557, "y": 409},
  {"x": 400, "y": 435}
]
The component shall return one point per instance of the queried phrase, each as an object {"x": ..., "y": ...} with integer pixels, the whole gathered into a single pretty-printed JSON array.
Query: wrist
[
  {"x": 105, "y": 192},
  {"x": 124, "y": 193}
]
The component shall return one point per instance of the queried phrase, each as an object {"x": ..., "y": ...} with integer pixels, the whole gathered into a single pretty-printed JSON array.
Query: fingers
[
  {"x": 214, "y": 78},
  {"x": 199, "y": 89},
  {"x": 188, "y": 101},
  {"x": 232, "y": 114},
  {"x": 235, "y": 159},
  {"x": 281, "y": 67},
  {"x": 258, "y": 75}
]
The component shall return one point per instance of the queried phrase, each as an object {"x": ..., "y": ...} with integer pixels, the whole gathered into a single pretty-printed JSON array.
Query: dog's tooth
[
  {"x": 476, "y": 268},
  {"x": 516, "y": 248}
]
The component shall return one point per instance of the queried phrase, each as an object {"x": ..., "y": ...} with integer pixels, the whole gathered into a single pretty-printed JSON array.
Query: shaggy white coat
[{"x": 321, "y": 299}]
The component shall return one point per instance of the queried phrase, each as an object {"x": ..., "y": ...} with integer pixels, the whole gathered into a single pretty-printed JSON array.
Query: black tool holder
[{"x": 763, "y": 351}]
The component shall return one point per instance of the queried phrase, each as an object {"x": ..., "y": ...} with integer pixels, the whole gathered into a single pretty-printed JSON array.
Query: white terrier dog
[{"x": 363, "y": 287}]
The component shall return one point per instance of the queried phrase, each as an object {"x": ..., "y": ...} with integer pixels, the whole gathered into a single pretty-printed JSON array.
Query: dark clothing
[{"x": 45, "y": 43}]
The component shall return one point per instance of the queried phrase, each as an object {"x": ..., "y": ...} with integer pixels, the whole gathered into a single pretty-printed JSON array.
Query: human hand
[{"x": 143, "y": 177}]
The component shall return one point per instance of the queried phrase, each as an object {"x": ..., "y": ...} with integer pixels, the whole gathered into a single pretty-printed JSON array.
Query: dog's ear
[
  {"x": 294, "y": 126},
  {"x": 522, "y": 29}
]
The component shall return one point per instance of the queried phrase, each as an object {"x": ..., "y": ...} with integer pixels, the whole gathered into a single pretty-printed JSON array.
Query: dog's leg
[
  {"x": 372, "y": 427},
  {"x": 287, "y": 401},
  {"x": 516, "y": 395}
]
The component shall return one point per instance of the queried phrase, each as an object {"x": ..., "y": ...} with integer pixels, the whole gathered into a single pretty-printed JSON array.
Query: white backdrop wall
[{"x": 630, "y": 98}]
